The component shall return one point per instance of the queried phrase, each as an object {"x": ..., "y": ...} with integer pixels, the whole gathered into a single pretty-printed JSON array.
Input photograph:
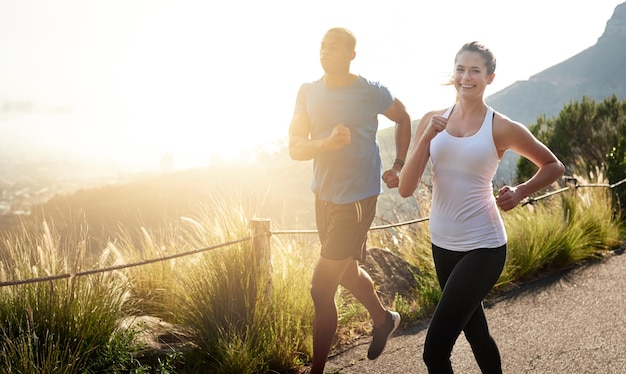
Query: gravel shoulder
[{"x": 570, "y": 322}]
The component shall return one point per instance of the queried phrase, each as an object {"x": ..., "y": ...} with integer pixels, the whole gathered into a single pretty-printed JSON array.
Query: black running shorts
[{"x": 343, "y": 228}]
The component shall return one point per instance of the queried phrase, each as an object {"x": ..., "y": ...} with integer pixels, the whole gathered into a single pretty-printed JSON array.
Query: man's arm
[
  {"x": 397, "y": 113},
  {"x": 302, "y": 147}
]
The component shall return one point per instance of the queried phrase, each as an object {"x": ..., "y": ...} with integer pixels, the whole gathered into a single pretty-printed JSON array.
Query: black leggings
[{"x": 465, "y": 278}]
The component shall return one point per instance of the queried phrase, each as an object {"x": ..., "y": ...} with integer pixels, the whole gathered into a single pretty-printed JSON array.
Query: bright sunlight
[{"x": 130, "y": 81}]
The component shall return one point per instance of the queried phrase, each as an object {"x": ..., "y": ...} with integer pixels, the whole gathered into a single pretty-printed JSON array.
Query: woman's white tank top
[{"x": 464, "y": 215}]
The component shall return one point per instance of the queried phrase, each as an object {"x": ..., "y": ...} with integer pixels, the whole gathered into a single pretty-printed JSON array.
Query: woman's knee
[{"x": 436, "y": 360}]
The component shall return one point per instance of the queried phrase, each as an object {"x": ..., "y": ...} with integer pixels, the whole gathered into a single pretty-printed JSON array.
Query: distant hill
[
  {"x": 597, "y": 72},
  {"x": 274, "y": 187}
]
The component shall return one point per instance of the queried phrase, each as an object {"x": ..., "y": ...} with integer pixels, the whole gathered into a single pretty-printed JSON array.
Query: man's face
[{"x": 335, "y": 55}]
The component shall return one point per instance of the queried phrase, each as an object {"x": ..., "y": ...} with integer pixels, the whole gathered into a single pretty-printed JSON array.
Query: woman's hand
[
  {"x": 508, "y": 198},
  {"x": 436, "y": 125}
]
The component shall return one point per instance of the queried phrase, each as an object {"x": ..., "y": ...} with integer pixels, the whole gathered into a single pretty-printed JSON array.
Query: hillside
[
  {"x": 597, "y": 72},
  {"x": 274, "y": 187}
]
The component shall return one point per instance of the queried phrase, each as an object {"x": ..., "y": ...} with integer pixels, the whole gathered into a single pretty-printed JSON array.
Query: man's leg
[
  {"x": 360, "y": 284},
  {"x": 326, "y": 277}
]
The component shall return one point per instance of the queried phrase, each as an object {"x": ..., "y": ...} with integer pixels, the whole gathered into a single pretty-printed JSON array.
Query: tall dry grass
[
  {"x": 63, "y": 326},
  {"x": 218, "y": 295}
]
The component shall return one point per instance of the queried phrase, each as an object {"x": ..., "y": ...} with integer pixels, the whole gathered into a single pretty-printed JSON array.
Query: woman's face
[{"x": 470, "y": 74}]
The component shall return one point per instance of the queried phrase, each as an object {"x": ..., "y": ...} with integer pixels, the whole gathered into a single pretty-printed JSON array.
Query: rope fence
[
  {"x": 575, "y": 185},
  {"x": 260, "y": 241},
  {"x": 118, "y": 267}
]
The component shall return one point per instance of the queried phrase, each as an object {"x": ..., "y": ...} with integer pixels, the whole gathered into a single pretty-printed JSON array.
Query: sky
[{"x": 202, "y": 79}]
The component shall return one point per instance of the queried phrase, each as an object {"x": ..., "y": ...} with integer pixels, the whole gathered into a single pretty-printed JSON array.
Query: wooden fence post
[{"x": 262, "y": 254}]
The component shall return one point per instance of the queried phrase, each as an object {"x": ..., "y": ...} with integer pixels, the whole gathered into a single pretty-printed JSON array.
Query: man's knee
[
  {"x": 358, "y": 280},
  {"x": 322, "y": 295}
]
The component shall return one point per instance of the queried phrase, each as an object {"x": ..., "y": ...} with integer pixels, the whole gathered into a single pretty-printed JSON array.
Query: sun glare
[
  {"x": 200, "y": 94},
  {"x": 209, "y": 81}
]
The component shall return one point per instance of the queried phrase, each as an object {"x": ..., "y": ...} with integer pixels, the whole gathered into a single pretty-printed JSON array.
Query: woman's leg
[
  {"x": 483, "y": 345},
  {"x": 465, "y": 278}
]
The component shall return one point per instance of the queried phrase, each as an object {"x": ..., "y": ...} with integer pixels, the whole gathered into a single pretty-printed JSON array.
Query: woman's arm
[
  {"x": 515, "y": 136},
  {"x": 428, "y": 127}
]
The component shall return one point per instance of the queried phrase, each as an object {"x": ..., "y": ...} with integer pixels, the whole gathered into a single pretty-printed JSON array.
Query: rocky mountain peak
[{"x": 616, "y": 26}]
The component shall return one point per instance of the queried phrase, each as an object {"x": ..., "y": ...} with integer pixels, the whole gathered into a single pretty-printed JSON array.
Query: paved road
[{"x": 569, "y": 323}]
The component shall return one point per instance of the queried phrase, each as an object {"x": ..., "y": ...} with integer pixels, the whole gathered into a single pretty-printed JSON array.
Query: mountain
[{"x": 597, "y": 72}]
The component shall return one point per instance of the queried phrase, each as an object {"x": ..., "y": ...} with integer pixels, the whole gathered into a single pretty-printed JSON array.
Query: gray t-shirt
[{"x": 354, "y": 171}]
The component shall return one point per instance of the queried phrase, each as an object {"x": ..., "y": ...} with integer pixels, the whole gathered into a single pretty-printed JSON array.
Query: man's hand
[
  {"x": 339, "y": 137},
  {"x": 391, "y": 177}
]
